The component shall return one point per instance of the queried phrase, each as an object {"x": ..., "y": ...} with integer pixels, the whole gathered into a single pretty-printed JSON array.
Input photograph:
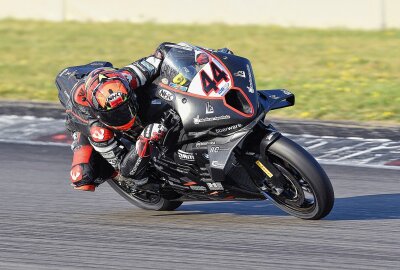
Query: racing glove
[{"x": 135, "y": 162}]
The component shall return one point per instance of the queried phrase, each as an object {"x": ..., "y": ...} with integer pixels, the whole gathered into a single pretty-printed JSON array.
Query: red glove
[{"x": 151, "y": 133}]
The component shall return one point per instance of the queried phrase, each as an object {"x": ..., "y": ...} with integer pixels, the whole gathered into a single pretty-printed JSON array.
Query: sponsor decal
[
  {"x": 179, "y": 79},
  {"x": 199, "y": 120},
  {"x": 214, "y": 149},
  {"x": 224, "y": 89},
  {"x": 115, "y": 99},
  {"x": 66, "y": 71},
  {"x": 98, "y": 134},
  {"x": 164, "y": 80},
  {"x": 240, "y": 73},
  {"x": 198, "y": 188},
  {"x": 75, "y": 175},
  {"x": 215, "y": 186},
  {"x": 286, "y": 92},
  {"x": 264, "y": 169},
  {"x": 166, "y": 95},
  {"x": 209, "y": 108},
  {"x": 113, "y": 161},
  {"x": 206, "y": 156},
  {"x": 250, "y": 88},
  {"x": 185, "y": 155},
  {"x": 200, "y": 144},
  {"x": 179, "y": 87},
  {"x": 66, "y": 93},
  {"x": 230, "y": 128},
  {"x": 108, "y": 155},
  {"x": 215, "y": 163},
  {"x": 134, "y": 169}
]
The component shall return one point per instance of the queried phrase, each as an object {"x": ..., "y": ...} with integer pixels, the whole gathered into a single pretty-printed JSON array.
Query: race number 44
[{"x": 210, "y": 82}]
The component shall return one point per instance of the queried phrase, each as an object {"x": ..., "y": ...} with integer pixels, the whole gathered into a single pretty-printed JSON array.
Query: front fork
[{"x": 271, "y": 177}]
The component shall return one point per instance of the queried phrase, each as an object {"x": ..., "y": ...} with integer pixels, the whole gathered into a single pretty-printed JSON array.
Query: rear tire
[
  {"x": 158, "y": 204},
  {"x": 303, "y": 174}
]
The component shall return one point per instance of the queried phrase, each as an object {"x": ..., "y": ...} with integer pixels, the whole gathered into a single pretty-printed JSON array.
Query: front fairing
[{"x": 208, "y": 89}]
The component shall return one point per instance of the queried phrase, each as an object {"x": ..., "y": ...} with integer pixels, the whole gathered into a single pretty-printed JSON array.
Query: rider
[{"x": 102, "y": 105}]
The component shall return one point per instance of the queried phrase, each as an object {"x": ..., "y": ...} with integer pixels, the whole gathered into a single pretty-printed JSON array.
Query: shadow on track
[{"x": 367, "y": 207}]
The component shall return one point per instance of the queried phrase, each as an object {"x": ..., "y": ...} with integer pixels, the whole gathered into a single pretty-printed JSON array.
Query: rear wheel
[
  {"x": 306, "y": 191},
  {"x": 143, "y": 199}
]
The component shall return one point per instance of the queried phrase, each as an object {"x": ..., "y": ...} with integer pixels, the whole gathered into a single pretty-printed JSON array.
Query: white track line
[{"x": 323, "y": 162}]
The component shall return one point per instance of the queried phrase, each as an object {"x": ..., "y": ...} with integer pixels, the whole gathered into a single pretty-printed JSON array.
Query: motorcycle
[{"x": 221, "y": 148}]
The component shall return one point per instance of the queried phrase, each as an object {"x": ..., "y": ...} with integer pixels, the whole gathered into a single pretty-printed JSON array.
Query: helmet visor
[{"x": 120, "y": 116}]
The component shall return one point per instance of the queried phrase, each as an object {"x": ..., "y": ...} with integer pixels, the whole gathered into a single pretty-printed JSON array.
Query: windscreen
[
  {"x": 195, "y": 70},
  {"x": 180, "y": 66}
]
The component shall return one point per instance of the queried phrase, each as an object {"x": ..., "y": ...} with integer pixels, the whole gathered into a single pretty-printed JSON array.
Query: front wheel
[
  {"x": 306, "y": 191},
  {"x": 143, "y": 199}
]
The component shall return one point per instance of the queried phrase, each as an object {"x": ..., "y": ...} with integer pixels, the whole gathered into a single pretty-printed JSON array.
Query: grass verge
[{"x": 335, "y": 74}]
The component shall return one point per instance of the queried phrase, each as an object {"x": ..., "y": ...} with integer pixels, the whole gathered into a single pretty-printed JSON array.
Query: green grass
[{"x": 335, "y": 74}]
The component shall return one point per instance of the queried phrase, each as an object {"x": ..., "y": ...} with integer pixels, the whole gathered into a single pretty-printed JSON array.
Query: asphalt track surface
[{"x": 44, "y": 224}]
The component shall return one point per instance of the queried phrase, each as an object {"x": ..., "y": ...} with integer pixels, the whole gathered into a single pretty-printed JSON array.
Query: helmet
[{"x": 110, "y": 98}]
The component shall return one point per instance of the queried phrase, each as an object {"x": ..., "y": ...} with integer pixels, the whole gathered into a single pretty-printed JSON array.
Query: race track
[{"x": 45, "y": 224}]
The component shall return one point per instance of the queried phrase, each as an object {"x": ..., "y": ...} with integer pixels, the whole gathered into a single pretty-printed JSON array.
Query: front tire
[
  {"x": 149, "y": 201},
  {"x": 302, "y": 176}
]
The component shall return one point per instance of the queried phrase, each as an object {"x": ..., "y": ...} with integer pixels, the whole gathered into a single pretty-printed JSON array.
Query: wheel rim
[{"x": 298, "y": 194}]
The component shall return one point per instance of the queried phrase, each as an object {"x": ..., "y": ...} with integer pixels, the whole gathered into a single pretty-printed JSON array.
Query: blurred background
[{"x": 341, "y": 58}]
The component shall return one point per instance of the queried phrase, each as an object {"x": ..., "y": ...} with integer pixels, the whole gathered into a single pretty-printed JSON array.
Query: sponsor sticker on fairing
[
  {"x": 209, "y": 108},
  {"x": 230, "y": 128},
  {"x": 179, "y": 79},
  {"x": 185, "y": 155},
  {"x": 216, "y": 163},
  {"x": 166, "y": 95},
  {"x": 179, "y": 87},
  {"x": 250, "y": 88},
  {"x": 286, "y": 92},
  {"x": 201, "y": 144},
  {"x": 222, "y": 91},
  {"x": 197, "y": 120},
  {"x": 136, "y": 166},
  {"x": 198, "y": 188},
  {"x": 240, "y": 73},
  {"x": 215, "y": 186}
]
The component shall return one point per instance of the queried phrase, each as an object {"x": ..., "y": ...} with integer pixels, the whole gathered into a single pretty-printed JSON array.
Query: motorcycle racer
[{"x": 102, "y": 105}]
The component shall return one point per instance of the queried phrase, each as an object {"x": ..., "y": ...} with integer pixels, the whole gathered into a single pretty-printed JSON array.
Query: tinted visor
[{"x": 118, "y": 116}]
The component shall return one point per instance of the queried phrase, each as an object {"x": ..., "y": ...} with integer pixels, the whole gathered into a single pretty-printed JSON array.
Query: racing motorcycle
[{"x": 221, "y": 148}]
